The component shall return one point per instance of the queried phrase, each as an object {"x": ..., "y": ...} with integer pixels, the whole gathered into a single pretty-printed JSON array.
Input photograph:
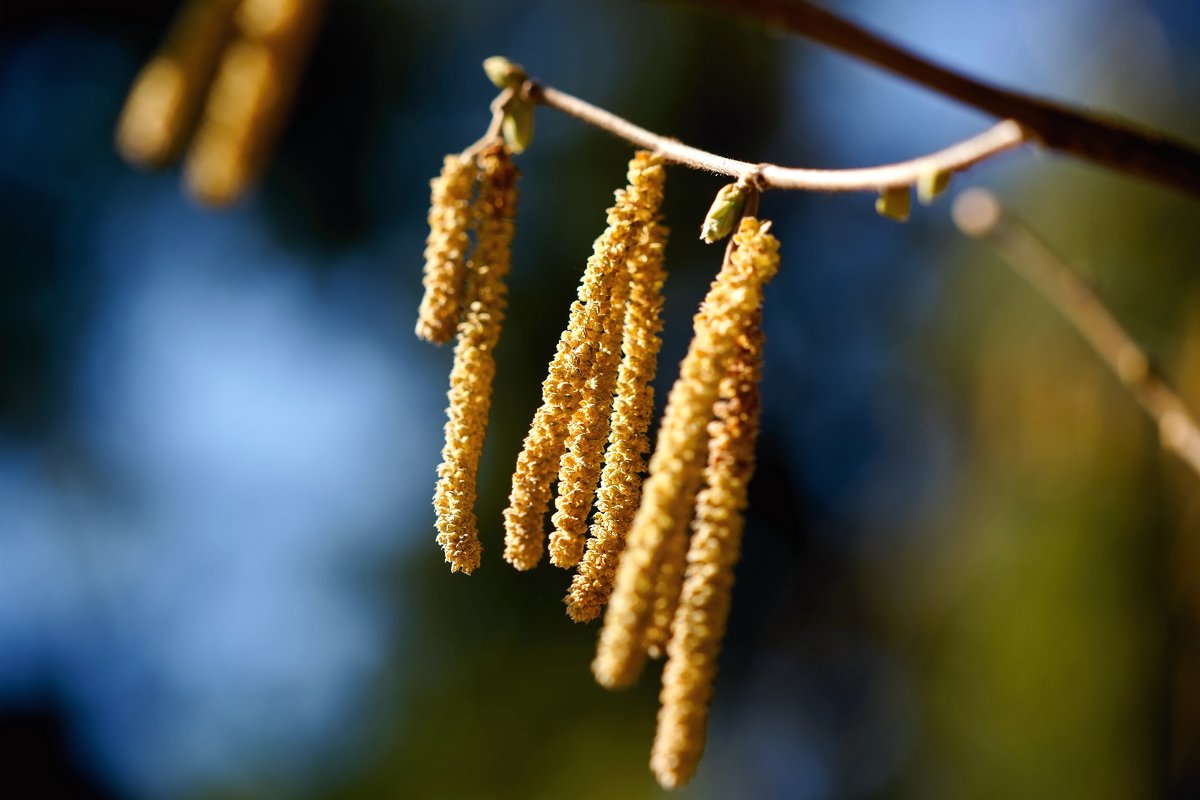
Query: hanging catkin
[
  {"x": 699, "y": 623},
  {"x": 621, "y": 479},
  {"x": 580, "y": 467},
  {"x": 446, "y": 250},
  {"x": 676, "y": 466},
  {"x": 474, "y": 363},
  {"x": 572, "y": 367}
]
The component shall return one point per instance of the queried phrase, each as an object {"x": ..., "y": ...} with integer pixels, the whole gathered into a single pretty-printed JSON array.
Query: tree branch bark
[
  {"x": 997, "y": 139},
  {"x": 1107, "y": 141}
]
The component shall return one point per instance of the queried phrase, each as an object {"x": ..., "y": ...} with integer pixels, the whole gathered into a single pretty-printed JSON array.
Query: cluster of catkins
[
  {"x": 659, "y": 554},
  {"x": 220, "y": 85}
]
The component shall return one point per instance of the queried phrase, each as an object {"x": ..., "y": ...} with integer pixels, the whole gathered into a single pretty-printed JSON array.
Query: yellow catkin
[
  {"x": 446, "y": 249},
  {"x": 621, "y": 480},
  {"x": 579, "y": 469},
  {"x": 587, "y": 432},
  {"x": 265, "y": 19},
  {"x": 246, "y": 106},
  {"x": 676, "y": 466},
  {"x": 703, "y": 609},
  {"x": 474, "y": 362},
  {"x": 563, "y": 389},
  {"x": 668, "y": 580},
  {"x": 166, "y": 95}
]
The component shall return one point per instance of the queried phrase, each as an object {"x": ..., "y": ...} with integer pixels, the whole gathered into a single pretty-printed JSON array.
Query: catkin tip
[
  {"x": 615, "y": 674},
  {"x": 580, "y": 610}
]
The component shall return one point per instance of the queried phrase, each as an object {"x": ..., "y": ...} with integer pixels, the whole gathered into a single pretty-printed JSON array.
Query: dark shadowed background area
[{"x": 968, "y": 570}]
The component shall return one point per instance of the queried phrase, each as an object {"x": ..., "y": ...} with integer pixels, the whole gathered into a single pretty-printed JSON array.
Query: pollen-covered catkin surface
[
  {"x": 579, "y": 469},
  {"x": 563, "y": 389},
  {"x": 446, "y": 250},
  {"x": 668, "y": 580},
  {"x": 621, "y": 479},
  {"x": 703, "y": 609},
  {"x": 676, "y": 466},
  {"x": 474, "y": 361}
]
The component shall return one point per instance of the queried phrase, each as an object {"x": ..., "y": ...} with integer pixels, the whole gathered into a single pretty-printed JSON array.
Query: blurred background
[{"x": 968, "y": 569}]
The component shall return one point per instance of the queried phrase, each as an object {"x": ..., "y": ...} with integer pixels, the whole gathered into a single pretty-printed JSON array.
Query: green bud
[
  {"x": 517, "y": 125},
  {"x": 932, "y": 183},
  {"x": 894, "y": 203},
  {"x": 504, "y": 73},
  {"x": 723, "y": 213}
]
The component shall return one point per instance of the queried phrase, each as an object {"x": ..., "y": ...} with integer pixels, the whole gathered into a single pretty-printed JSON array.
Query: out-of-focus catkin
[
  {"x": 667, "y": 582},
  {"x": 677, "y": 463},
  {"x": 703, "y": 608},
  {"x": 579, "y": 469},
  {"x": 266, "y": 19},
  {"x": 569, "y": 372},
  {"x": 166, "y": 96},
  {"x": 621, "y": 479},
  {"x": 446, "y": 249},
  {"x": 249, "y": 99},
  {"x": 474, "y": 363}
]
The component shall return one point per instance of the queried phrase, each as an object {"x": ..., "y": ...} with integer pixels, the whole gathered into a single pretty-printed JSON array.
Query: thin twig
[
  {"x": 1110, "y": 142},
  {"x": 978, "y": 213},
  {"x": 997, "y": 139},
  {"x": 492, "y": 134}
]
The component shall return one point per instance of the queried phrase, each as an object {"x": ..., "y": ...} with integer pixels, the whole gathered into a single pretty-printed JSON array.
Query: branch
[
  {"x": 1106, "y": 141},
  {"x": 997, "y": 139},
  {"x": 978, "y": 213}
]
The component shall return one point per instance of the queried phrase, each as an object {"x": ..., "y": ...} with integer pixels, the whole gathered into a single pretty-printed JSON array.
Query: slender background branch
[
  {"x": 1103, "y": 140},
  {"x": 977, "y": 212}
]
